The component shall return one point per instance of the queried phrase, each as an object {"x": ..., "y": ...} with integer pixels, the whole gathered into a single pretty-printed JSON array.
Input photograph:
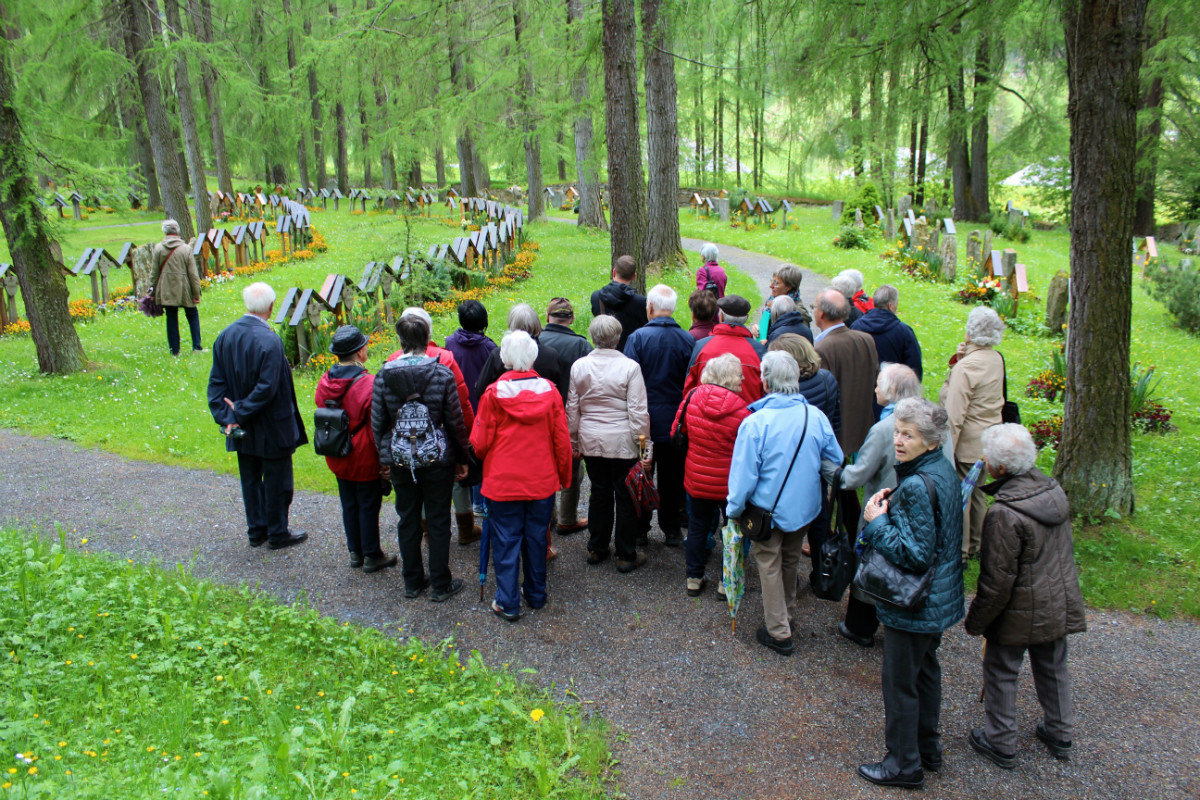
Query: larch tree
[
  {"x": 529, "y": 125},
  {"x": 200, "y": 12},
  {"x": 591, "y": 208},
  {"x": 1104, "y": 43},
  {"x": 661, "y": 244},
  {"x": 187, "y": 121},
  {"x": 627, "y": 189}
]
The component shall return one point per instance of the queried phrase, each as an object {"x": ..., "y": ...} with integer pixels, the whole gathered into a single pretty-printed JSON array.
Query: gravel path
[{"x": 698, "y": 711}]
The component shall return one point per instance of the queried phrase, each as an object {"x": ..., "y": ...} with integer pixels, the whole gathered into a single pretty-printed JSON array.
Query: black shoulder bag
[
  {"x": 757, "y": 523},
  {"x": 679, "y": 439},
  {"x": 332, "y": 435},
  {"x": 1010, "y": 412},
  {"x": 833, "y": 568},
  {"x": 885, "y": 582}
]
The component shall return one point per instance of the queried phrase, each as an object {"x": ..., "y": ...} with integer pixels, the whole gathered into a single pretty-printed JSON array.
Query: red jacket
[
  {"x": 446, "y": 358},
  {"x": 339, "y": 385},
  {"x": 862, "y": 302},
  {"x": 730, "y": 339},
  {"x": 713, "y": 417},
  {"x": 521, "y": 436}
]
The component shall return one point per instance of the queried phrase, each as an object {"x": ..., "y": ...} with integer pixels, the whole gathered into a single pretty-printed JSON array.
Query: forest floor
[{"x": 698, "y": 711}]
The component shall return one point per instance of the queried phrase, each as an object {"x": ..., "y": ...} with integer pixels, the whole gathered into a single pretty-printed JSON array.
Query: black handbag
[
  {"x": 1010, "y": 412},
  {"x": 679, "y": 439},
  {"x": 757, "y": 523},
  {"x": 332, "y": 435},
  {"x": 834, "y": 566},
  {"x": 884, "y": 582}
]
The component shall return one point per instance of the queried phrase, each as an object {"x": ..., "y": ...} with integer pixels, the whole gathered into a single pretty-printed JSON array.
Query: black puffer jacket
[
  {"x": 821, "y": 391},
  {"x": 396, "y": 382},
  {"x": 1028, "y": 590},
  {"x": 791, "y": 322},
  {"x": 623, "y": 302}
]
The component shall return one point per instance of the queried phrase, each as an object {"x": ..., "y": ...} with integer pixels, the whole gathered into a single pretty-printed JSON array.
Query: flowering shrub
[
  {"x": 852, "y": 238},
  {"x": 520, "y": 269},
  {"x": 1152, "y": 418},
  {"x": 915, "y": 260},
  {"x": 302, "y": 255},
  {"x": 318, "y": 242},
  {"x": 18, "y": 328},
  {"x": 979, "y": 290},
  {"x": 1047, "y": 432},
  {"x": 82, "y": 310},
  {"x": 1047, "y": 385}
]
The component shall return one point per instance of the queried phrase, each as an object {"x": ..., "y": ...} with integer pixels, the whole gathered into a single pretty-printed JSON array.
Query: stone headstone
[
  {"x": 904, "y": 205},
  {"x": 1057, "y": 297},
  {"x": 974, "y": 248},
  {"x": 890, "y": 226},
  {"x": 143, "y": 269},
  {"x": 1014, "y": 218},
  {"x": 932, "y": 246},
  {"x": 838, "y": 206},
  {"x": 921, "y": 233},
  {"x": 723, "y": 208},
  {"x": 1008, "y": 259},
  {"x": 858, "y": 220},
  {"x": 931, "y": 208},
  {"x": 949, "y": 253},
  {"x": 987, "y": 242}
]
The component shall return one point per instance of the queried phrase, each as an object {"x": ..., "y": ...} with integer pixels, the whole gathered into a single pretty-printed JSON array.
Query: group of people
[{"x": 793, "y": 414}]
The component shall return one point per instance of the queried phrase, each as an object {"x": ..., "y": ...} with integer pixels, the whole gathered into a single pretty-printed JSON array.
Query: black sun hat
[{"x": 347, "y": 340}]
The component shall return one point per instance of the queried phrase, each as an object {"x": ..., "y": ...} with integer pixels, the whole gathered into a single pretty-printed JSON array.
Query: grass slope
[{"x": 123, "y": 680}]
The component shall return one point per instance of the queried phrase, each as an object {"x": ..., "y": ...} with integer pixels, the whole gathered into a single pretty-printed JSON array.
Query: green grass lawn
[{"x": 124, "y": 680}]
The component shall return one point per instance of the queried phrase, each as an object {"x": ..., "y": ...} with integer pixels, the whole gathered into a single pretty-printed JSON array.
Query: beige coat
[
  {"x": 176, "y": 280},
  {"x": 973, "y": 396},
  {"x": 606, "y": 406}
]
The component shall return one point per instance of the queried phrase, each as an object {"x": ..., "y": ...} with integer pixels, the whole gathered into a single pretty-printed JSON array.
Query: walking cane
[{"x": 982, "y": 652}]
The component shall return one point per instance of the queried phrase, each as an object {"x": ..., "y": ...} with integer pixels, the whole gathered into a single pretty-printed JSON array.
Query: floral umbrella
[{"x": 733, "y": 568}]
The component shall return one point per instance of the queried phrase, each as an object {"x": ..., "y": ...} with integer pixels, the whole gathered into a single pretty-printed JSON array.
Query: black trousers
[
  {"x": 912, "y": 698},
  {"x": 193, "y": 320},
  {"x": 611, "y": 505},
  {"x": 430, "y": 491},
  {"x": 267, "y": 494},
  {"x": 361, "y": 501},
  {"x": 667, "y": 470}
]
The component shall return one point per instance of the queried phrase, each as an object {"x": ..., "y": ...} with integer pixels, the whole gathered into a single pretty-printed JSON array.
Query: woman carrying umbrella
[
  {"x": 777, "y": 462},
  {"x": 606, "y": 413},
  {"x": 521, "y": 436}
]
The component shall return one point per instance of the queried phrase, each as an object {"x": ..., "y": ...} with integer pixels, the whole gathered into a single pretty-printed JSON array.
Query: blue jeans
[
  {"x": 518, "y": 539},
  {"x": 702, "y": 513}
]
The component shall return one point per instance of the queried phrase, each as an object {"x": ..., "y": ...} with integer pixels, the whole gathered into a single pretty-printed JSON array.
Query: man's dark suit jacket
[{"x": 251, "y": 369}]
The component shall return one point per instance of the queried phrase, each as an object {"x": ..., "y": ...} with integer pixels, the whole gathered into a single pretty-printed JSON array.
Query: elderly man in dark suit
[{"x": 251, "y": 396}]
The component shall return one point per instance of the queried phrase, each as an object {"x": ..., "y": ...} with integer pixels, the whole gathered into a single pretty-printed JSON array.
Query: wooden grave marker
[
  {"x": 76, "y": 199},
  {"x": 283, "y": 227},
  {"x": 1146, "y": 252},
  {"x": 95, "y": 263},
  {"x": 8, "y": 303},
  {"x": 135, "y": 202},
  {"x": 59, "y": 202}
]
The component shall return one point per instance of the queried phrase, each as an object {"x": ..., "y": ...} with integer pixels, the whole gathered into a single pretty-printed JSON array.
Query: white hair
[
  {"x": 897, "y": 382},
  {"x": 662, "y": 297},
  {"x": 855, "y": 276},
  {"x": 724, "y": 370},
  {"x": 419, "y": 313},
  {"x": 782, "y": 305},
  {"x": 518, "y": 351},
  {"x": 1009, "y": 446},
  {"x": 844, "y": 284},
  {"x": 258, "y": 297},
  {"x": 780, "y": 373},
  {"x": 984, "y": 327},
  {"x": 730, "y": 319},
  {"x": 709, "y": 252},
  {"x": 170, "y": 226}
]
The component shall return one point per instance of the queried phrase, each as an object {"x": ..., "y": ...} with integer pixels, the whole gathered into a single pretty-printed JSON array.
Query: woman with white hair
[
  {"x": 973, "y": 396},
  {"x": 176, "y": 285},
  {"x": 845, "y": 284},
  {"x": 606, "y": 415},
  {"x": 711, "y": 277},
  {"x": 777, "y": 467},
  {"x": 859, "y": 297},
  {"x": 521, "y": 436}
]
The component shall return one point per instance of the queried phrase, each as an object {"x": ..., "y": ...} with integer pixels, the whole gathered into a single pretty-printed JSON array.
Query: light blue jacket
[{"x": 766, "y": 442}]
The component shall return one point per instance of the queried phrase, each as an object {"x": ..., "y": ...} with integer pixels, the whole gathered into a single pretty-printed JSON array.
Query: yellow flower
[
  {"x": 7, "y": 785},
  {"x": 33, "y": 770},
  {"x": 537, "y": 714},
  {"x": 133, "y": 656},
  {"x": 83, "y": 541},
  {"x": 220, "y": 677}
]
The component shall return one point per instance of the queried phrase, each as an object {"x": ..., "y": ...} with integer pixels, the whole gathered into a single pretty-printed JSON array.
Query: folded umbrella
[{"x": 733, "y": 568}]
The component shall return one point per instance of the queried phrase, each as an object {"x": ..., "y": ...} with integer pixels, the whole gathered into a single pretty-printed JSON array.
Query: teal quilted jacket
[{"x": 905, "y": 536}]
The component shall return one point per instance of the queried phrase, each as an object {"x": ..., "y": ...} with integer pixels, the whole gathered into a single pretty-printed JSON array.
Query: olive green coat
[{"x": 176, "y": 280}]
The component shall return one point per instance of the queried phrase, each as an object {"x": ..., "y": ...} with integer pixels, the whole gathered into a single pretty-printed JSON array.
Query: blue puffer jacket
[{"x": 905, "y": 536}]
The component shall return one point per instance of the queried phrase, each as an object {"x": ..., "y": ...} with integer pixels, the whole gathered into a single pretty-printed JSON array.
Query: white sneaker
[{"x": 695, "y": 586}]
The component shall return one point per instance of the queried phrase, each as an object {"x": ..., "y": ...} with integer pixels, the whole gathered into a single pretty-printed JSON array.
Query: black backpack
[
  {"x": 710, "y": 285},
  {"x": 332, "y": 435}
]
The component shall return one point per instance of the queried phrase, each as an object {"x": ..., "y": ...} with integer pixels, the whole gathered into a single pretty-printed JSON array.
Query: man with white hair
[
  {"x": 663, "y": 349},
  {"x": 176, "y": 285},
  {"x": 252, "y": 398},
  {"x": 1028, "y": 598}
]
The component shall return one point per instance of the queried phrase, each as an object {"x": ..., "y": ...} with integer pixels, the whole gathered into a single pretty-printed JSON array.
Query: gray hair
[
  {"x": 729, "y": 319},
  {"x": 724, "y": 370},
  {"x": 170, "y": 226},
  {"x": 780, "y": 373},
  {"x": 605, "y": 332},
  {"x": 419, "y": 313},
  {"x": 886, "y": 296},
  {"x": 855, "y": 276},
  {"x": 984, "y": 327},
  {"x": 790, "y": 274},
  {"x": 662, "y": 297},
  {"x": 709, "y": 251},
  {"x": 258, "y": 297},
  {"x": 782, "y": 305},
  {"x": 844, "y": 284},
  {"x": 931, "y": 420},
  {"x": 833, "y": 304},
  {"x": 518, "y": 351},
  {"x": 897, "y": 382},
  {"x": 1009, "y": 446},
  {"x": 522, "y": 317}
]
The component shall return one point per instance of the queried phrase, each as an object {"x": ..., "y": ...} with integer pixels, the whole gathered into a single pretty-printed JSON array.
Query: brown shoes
[
  {"x": 566, "y": 530},
  {"x": 468, "y": 532}
]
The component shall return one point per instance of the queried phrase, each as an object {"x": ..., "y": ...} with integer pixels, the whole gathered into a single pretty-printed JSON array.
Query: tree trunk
[
  {"x": 166, "y": 162},
  {"x": 314, "y": 93},
  {"x": 154, "y": 196},
  {"x": 1104, "y": 55},
  {"x": 737, "y": 118},
  {"x": 627, "y": 190},
  {"x": 343, "y": 159},
  {"x": 560, "y": 140},
  {"x": 414, "y": 174},
  {"x": 856, "y": 134},
  {"x": 439, "y": 165},
  {"x": 187, "y": 119},
  {"x": 987, "y": 68},
  {"x": 719, "y": 131},
  {"x": 922, "y": 158},
  {"x": 1150, "y": 132},
  {"x": 301, "y": 144},
  {"x": 525, "y": 99},
  {"x": 960, "y": 166},
  {"x": 201, "y": 13},
  {"x": 875, "y": 133},
  {"x": 661, "y": 244},
  {"x": 591, "y": 210},
  {"x": 43, "y": 287}
]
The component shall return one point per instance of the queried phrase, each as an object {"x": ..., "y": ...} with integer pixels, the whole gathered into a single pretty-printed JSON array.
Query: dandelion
[
  {"x": 33, "y": 770},
  {"x": 83, "y": 540},
  {"x": 220, "y": 677},
  {"x": 133, "y": 656},
  {"x": 537, "y": 714}
]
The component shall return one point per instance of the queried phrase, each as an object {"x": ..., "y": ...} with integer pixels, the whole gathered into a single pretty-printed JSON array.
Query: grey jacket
[{"x": 606, "y": 405}]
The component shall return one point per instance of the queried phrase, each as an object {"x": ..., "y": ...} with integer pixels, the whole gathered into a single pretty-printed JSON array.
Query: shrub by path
[{"x": 700, "y": 712}]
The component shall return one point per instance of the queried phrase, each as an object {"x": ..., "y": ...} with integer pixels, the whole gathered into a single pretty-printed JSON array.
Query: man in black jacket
[
  {"x": 895, "y": 342},
  {"x": 571, "y": 347},
  {"x": 620, "y": 300},
  {"x": 251, "y": 396},
  {"x": 548, "y": 364}
]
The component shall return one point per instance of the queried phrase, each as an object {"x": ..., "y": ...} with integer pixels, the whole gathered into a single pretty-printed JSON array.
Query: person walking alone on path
[
  {"x": 711, "y": 276},
  {"x": 252, "y": 398},
  {"x": 176, "y": 285}
]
